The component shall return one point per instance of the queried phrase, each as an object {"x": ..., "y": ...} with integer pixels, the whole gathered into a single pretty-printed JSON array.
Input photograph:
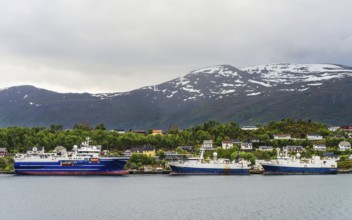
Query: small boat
[
  {"x": 295, "y": 165},
  {"x": 85, "y": 160},
  {"x": 221, "y": 166}
]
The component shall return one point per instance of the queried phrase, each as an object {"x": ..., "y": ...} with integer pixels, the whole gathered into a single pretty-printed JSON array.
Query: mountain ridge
[{"x": 248, "y": 95}]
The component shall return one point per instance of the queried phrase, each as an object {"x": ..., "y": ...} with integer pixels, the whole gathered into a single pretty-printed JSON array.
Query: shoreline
[{"x": 166, "y": 172}]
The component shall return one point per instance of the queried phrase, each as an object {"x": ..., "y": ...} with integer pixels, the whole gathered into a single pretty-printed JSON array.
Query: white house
[
  {"x": 254, "y": 140},
  {"x": 127, "y": 153},
  {"x": 344, "y": 145},
  {"x": 335, "y": 128},
  {"x": 266, "y": 148},
  {"x": 207, "y": 144},
  {"x": 249, "y": 128},
  {"x": 294, "y": 148},
  {"x": 319, "y": 147},
  {"x": 227, "y": 144},
  {"x": 119, "y": 131},
  {"x": 282, "y": 136},
  {"x": 236, "y": 141},
  {"x": 3, "y": 152},
  {"x": 314, "y": 137},
  {"x": 246, "y": 146}
]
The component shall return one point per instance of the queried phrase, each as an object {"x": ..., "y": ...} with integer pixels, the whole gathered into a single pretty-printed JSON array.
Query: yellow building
[
  {"x": 149, "y": 151},
  {"x": 155, "y": 132}
]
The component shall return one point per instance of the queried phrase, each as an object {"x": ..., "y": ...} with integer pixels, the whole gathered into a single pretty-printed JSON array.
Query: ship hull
[
  {"x": 72, "y": 173},
  {"x": 283, "y": 170},
  {"x": 184, "y": 170},
  {"x": 113, "y": 166}
]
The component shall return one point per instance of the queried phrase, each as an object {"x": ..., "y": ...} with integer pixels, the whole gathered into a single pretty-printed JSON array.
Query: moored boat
[
  {"x": 199, "y": 166},
  {"x": 295, "y": 165},
  {"x": 85, "y": 160}
]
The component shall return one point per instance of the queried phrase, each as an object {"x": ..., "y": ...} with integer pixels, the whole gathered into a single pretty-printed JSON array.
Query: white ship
[
  {"x": 295, "y": 165},
  {"x": 85, "y": 160},
  {"x": 221, "y": 166}
]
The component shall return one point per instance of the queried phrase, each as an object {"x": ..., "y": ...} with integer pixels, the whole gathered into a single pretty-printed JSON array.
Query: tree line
[{"x": 17, "y": 139}]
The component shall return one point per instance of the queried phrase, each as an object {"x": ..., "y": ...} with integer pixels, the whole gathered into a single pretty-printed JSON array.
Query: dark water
[{"x": 176, "y": 197}]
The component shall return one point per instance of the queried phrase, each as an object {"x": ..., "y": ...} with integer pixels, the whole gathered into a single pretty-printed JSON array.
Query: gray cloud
[{"x": 91, "y": 46}]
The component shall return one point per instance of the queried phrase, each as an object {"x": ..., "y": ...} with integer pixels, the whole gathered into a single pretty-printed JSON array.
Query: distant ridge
[{"x": 258, "y": 94}]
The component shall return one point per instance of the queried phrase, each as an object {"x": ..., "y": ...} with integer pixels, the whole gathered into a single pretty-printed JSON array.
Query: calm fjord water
[{"x": 176, "y": 197}]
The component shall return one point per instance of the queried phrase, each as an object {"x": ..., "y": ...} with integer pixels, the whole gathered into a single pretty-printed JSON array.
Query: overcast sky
[{"x": 121, "y": 45}]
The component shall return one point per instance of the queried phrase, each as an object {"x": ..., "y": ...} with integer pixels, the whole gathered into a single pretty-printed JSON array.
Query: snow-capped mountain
[
  {"x": 226, "y": 81},
  {"x": 306, "y": 75},
  {"x": 320, "y": 92}
]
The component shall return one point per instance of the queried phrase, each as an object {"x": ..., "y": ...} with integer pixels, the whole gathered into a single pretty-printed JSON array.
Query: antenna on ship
[
  {"x": 286, "y": 152},
  {"x": 215, "y": 156},
  {"x": 202, "y": 150},
  {"x": 87, "y": 140}
]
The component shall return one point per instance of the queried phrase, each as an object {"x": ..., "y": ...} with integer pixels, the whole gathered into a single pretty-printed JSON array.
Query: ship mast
[
  {"x": 202, "y": 150},
  {"x": 87, "y": 141}
]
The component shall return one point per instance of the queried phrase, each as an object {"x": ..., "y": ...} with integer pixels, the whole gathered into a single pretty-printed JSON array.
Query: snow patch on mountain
[
  {"x": 33, "y": 104},
  {"x": 304, "y": 89},
  {"x": 260, "y": 83},
  {"x": 322, "y": 77},
  {"x": 315, "y": 84},
  {"x": 190, "y": 89},
  {"x": 295, "y": 73},
  {"x": 172, "y": 94},
  {"x": 254, "y": 94},
  {"x": 209, "y": 70},
  {"x": 227, "y": 91},
  {"x": 103, "y": 96},
  {"x": 280, "y": 68}
]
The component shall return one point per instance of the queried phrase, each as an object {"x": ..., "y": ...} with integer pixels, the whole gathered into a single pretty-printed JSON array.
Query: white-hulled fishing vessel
[
  {"x": 295, "y": 165},
  {"x": 221, "y": 166}
]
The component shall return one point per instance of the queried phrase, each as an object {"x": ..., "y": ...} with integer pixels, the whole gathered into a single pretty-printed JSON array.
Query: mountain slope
[{"x": 321, "y": 92}]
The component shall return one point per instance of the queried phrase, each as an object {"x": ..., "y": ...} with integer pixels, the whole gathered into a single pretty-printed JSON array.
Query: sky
[{"x": 121, "y": 45}]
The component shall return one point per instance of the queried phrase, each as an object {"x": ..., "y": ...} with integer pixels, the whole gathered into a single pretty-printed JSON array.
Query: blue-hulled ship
[
  {"x": 83, "y": 160},
  {"x": 199, "y": 166},
  {"x": 295, "y": 165}
]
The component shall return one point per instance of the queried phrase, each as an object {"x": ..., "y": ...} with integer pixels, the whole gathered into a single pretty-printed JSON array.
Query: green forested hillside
[{"x": 17, "y": 139}]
